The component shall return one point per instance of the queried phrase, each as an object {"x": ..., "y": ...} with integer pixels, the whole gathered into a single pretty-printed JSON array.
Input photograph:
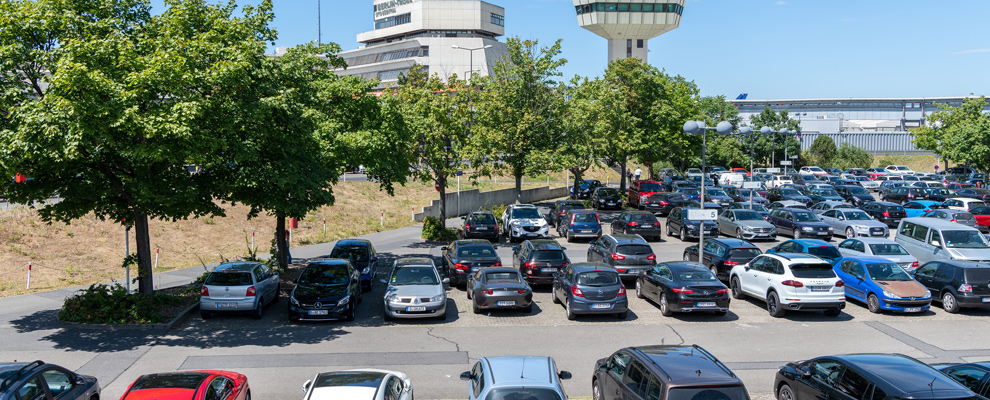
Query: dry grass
[{"x": 90, "y": 251}]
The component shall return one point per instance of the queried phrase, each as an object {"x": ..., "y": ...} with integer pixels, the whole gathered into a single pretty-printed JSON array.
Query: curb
[{"x": 149, "y": 327}]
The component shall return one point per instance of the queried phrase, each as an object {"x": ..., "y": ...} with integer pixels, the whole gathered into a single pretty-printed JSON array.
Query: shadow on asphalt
[{"x": 799, "y": 316}]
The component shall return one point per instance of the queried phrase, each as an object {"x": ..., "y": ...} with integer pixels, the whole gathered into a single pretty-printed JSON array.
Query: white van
[
  {"x": 929, "y": 239},
  {"x": 731, "y": 179}
]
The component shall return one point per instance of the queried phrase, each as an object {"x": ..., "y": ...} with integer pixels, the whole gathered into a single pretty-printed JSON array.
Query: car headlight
[
  {"x": 293, "y": 301},
  {"x": 927, "y": 295},
  {"x": 831, "y": 229},
  {"x": 437, "y": 298},
  {"x": 391, "y": 298},
  {"x": 890, "y": 295},
  {"x": 366, "y": 271},
  {"x": 514, "y": 223},
  {"x": 808, "y": 229},
  {"x": 861, "y": 228},
  {"x": 746, "y": 228},
  {"x": 344, "y": 301}
]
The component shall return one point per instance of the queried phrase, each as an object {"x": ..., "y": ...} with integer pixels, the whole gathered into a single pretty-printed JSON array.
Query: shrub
[
  {"x": 102, "y": 304},
  {"x": 496, "y": 209},
  {"x": 433, "y": 229}
]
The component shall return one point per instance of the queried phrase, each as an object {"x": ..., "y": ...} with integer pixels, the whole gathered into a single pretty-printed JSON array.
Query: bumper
[
  {"x": 307, "y": 314},
  {"x": 772, "y": 235},
  {"x": 973, "y": 301},
  {"x": 698, "y": 305},
  {"x": 814, "y": 305},
  {"x": 610, "y": 204},
  {"x": 905, "y": 305},
  {"x": 651, "y": 232},
  {"x": 503, "y": 301},
  {"x": 490, "y": 235},
  {"x": 217, "y": 305},
  {"x": 584, "y": 235},
  {"x": 631, "y": 271},
  {"x": 520, "y": 233},
  {"x": 712, "y": 233},
  {"x": 662, "y": 210},
  {"x": 429, "y": 310},
  {"x": 589, "y": 306},
  {"x": 539, "y": 276}
]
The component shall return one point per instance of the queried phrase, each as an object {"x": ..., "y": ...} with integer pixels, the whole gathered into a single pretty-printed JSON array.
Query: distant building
[{"x": 630, "y": 24}]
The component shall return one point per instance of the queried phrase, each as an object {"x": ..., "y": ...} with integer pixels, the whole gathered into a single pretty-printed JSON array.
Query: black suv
[
  {"x": 38, "y": 380},
  {"x": 886, "y": 212},
  {"x": 661, "y": 203},
  {"x": 665, "y": 372},
  {"x": 956, "y": 284},
  {"x": 560, "y": 207},
  {"x": 800, "y": 223},
  {"x": 855, "y": 195},
  {"x": 677, "y": 222},
  {"x": 480, "y": 224},
  {"x": 606, "y": 197},
  {"x": 628, "y": 254},
  {"x": 537, "y": 260},
  {"x": 723, "y": 254},
  {"x": 904, "y": 194},
  {"x": 642, "y": 223},
  {"x": 463, "y": 257}
]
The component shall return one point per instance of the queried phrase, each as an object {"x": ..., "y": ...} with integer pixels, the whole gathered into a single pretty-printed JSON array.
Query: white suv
[
  {"x": 524, "y": 221},
  {"x": 790, "y": 281}
]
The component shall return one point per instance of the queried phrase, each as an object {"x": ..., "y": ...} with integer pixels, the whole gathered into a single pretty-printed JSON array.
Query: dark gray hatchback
[
  {"x": 590, "y": 288},
  {"x": 628, "y": 254}
]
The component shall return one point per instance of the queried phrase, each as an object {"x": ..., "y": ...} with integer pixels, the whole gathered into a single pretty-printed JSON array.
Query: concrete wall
[{"x": 472, "y": 200}]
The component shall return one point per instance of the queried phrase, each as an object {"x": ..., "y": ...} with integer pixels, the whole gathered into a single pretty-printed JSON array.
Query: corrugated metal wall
[{"x": 873, "y": 142}]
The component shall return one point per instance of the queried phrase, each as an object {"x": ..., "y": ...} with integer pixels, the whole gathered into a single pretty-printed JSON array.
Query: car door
[
  {"x": 636, "y": 381},
  {"x": 853, "y": 273},
  {"x": 850, "y": 386},
  {"x": 32, "y": 389},
  {"x": 61, "y": 384},
  {"x": 824, "y": 374},
  {"x": 974, "y": 378},
  {"x": 926, "y": 276},
  {"x": 271, "y": 281},
  {"x": 748, "y": 277},
  {"x": 592, "y": 253},
  {"x": 478, "y": 381},
  {"x": 725, "y": 221},
  {"x": 615, "y": 373},
  {"x": 651, "y": 281},
  {"x": 665, "y": 278}
]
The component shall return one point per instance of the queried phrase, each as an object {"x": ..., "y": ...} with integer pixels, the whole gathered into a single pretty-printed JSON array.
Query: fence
[{"x": 472, "y": 200}]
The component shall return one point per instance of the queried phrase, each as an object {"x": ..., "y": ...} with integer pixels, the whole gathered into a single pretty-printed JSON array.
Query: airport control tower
[{"x": 629, "y": 25}]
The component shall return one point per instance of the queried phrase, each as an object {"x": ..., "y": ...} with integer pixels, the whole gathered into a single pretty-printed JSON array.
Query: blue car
[
  {"x": 921, "y": 208},
  {"x": 580, "y": 224},
  {"x": 815, "y": 247},
  {"x": 691, "y": 193},
  {"x": 362, "y": 256},
  {"x": 882, "y": 285}
]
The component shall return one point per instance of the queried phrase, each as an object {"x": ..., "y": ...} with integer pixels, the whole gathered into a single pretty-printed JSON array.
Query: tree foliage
[
  {"x": 729, "y": 150},
  {"x": 822, "y": 152},
  {"x": 957, "y": 133},
  {"x": 848, "y": 156},
  {"x": 771, "y": 147}
]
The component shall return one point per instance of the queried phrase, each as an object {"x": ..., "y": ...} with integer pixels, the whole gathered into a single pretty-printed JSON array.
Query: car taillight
[
  {"x": 622, "y": 291},
  {"x": 722, "y": 291},
  {"x": 577, "y": 292},
  {"x": 886, "y": 214},
  {"x": 914, "y": 265},
  {"x": 792, "y": 283},
  {"x": 729, "y": 263},
  {"x": 664, "y": 203},
  {"x": 252, "y": 291},
  {"x": 498, "y": 264},
  {"x": 683, "y": 290},
  {"x": 460, "y": 266},
  {"x": 566, "y": 263},
  {"x": 651, "y": 257},
  {"x": 618, "y": 256},
  {"x": 205, "y": 292},
  {"x": 634, "y": 224},
  {"x": 488, "y": 292},
  {"x": 840, "y": 283},
  {"x": 561, "y": 214},
  {"x": 966, "y": 288},
  {"x": 521, "y": 291},
  {"x": 467, "y": 226},
  {"x": 953, "y": 220}
]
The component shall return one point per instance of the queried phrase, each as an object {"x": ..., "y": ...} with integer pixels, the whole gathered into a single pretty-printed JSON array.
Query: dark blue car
[
  {"x": 882, "y": 285},
  {"x": 580, "y": 224},
  {"x": 815, "y": 247},
  {"x": 362, "y": 256}
]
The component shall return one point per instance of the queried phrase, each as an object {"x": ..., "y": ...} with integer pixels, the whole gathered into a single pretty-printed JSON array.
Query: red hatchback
[
  {"x": 640, "y": 190},
  {"x": 190, "y": 385}
]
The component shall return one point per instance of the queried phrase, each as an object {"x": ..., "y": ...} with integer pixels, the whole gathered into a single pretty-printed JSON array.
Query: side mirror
[
  {"x": 306, "y": 385},
  {"x": 564, "y": 375},
  {"x": 466, "y": 376},
  {"x": 602, "y": 367},
  {"x": 445, "y": 281},
  {"x": 860, "y": 277},
  {"x": 515, "y": 249},
  {"x": 444, "y": 248},
  {"x": 383, "y": 280},
  {"x": 805, "y": 371},
  {"x": 936, "y": 243},
  {"x": 374, "y": 259},
  {"x": 80, "y": 380},
  {"x": 746, "y": 268}
]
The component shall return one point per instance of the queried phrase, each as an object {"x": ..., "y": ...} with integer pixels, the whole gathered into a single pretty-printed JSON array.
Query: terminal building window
[
  {"x": 629, "y": 7},
  {"x": 393, "y": 21},
  {"x": 498, "y": 19}
]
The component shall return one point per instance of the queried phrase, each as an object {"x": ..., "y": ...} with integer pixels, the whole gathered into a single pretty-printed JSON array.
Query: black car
[
  {"x": 463, "y": 257},
  {"x": 971, "y": 375},
  {"x": 606, "y": 197},
  {"x": 866, "y": 376},
  {"x": 723, "y": 254},
  {"x": 325, "y": 289},
  {"x": 824, "y": 194},
  {"x": 904, "y": 194},
  {"x": 886, "y": 212},
  {"x": 537, "y": 260},
  {"x": 584, "y": 188},
  {"x": 38, "y": 380},
  {"x": 642, "y": 223},
  {"x": 560, "y": 207},
  {"x": 788, "y": 193},
  {"x": 499, "y": 288},
  {"x": 661, "y": 203},
  {"x": 665, "y": 372},
  {"x": 480, "y": 224},
  {"x": 975, "y": 193},
  {"x": 888, "y": 186},
  {"x": 957, "y": 284},
  {"x": 855, "y": 195},
  {"x": 683, "y": 287},
  {"x": 628, "y": 254},
  {"x": 855, "y": 171},
  {"x": 800, "y": 223},
  {"x": 718, "y": 196},
  {"x": 677, "y": 221},
  {"x": 745, "y": 195},
  {"x": 940, "y": 194},
  {"x": 362, "y": 256}
]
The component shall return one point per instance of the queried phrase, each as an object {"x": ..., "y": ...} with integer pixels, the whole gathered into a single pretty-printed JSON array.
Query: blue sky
[{"x": 767, "y": 48}]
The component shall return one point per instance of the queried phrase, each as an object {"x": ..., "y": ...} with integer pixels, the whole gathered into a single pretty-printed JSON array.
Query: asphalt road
[{"x": 278, "y": 357}]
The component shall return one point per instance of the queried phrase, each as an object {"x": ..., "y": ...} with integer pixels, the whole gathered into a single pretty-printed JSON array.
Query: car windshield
[
  {"x": 812, "y": 271},
  {"x": 815, "y": 169},
  {"x": 806, "y": 217},
  {"x": 888, "y": 249},
  {"x": 318, "y": 274},
  {"x": 857, "y": 216},
  {"x": 856, "y": 190},
  {"x": 827, "y": 192},
  {"x": 549, "y": 255},
  {"x": 647, "y": 187},
  {"x": 715, "y": 192},
  {"x": 482, "y": 219},
  {"x": 964, "y": 239},
  {"x": 825, "y": 252},
  {"x": 748, "y": 192},
  {"x": 419, "y": 275},
  {"x": 502, "y": 276},
  {"x": 748, "y": 216},
  {"x": 598, "y": 278},
  {"x": 608, "y": 192},
  {"x": 707, "y": 393},
  {"x": 963, "y": 216},
  {"x": 475, "y": 251},
  {"x": 789, "y": 192},
  {"x": 585, "y": 217},
  {"x": 887, "y": 272},
  {"x": 691, "y": 192},
  {"x": 190, "y": 380},
  {"x": 700, "y": 274},
  {"x": 902, "y": 168},
  {"x": 526, "y": 213},
  {"x": 757, "y": 207},
  {"x": 354, "y": 253},
  {"x": 522, "y": 394}
]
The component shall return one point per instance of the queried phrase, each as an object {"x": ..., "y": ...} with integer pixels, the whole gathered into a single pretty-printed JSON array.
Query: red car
[
  {"x": 982, "y": 214},
  {"x": 741, "y": 171},
  {"x": 640, "y": 190},
  {"x": 190, "y": 385},
  {"x": 873, "y": 175}
]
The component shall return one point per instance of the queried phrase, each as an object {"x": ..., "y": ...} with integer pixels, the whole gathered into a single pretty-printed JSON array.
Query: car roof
[
  {"x": 681, "y": 266},
  {"x": 330, "y": 261},
  {"x": 796, "y": 256},
  {"x": 687, "y": 365},
  {"x": 965, "y": 264},
  {"x": 867, "y": 259},
  {"x": 734, "y": 243},
  {"x": 795, "y": 209},
  {"x": 637, "y": 212},
  {"x": 938, "y": 223},
  {"x": 590, "y": 266},
  {"x": 521, "y": 206},
  {"x": 545, "y": 244},
  {"x": 23, "y": 368},
  {"x": 876, "y": 240},
  {"x": 902, "y": 373},
  {"x": 885, "y": 203},
  {"x": 529, "y": 370},
  {"x": 465, "y": 242},
  {"x": 499, "y": 269},
  {"x": 239, "y": 267},
  {"x": 628, "y": 239},
  {"x": 482, "y": 212},
  {"x": 811, "y": 242},
  {"x": 413, "y": 261}
]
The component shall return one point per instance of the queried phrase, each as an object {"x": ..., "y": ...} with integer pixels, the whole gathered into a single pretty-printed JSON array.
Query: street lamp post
[
  {"x": 471, "y": 57},
  {"x": 699, "y": 128}
]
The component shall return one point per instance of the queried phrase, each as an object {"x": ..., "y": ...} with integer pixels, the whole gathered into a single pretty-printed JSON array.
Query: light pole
[
  {"x": 471, "y": 57},
  {"x": 699, "y": 128}
]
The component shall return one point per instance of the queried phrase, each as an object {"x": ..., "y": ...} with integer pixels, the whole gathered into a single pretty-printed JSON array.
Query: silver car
[
  {"x": 415, "y": 290},
  {"x": 242, "y": 286},
  {"x": 957, "y": 216},
  {"x": 746, "y": 224},
  {"x": 822, "y": 206},
  {"x": 879, "y": 247},
  {"x": 852, "y": 222}
]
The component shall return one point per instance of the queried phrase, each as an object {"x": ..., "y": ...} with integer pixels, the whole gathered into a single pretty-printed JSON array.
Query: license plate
[
  {"x": 584, "y": 231},
  {"x": 822, "y": 233},
  {"x": 611, "y": 203},
  {"x": 913, "y": 309},
  {"x": 226, "y": 305},
  {"x": 820, "y": 288},
  {"x": 599, "y": 306},
  {"x": 707, "y": 304},
  {"x": 549, "y": 270},
  {"x": 416, "y": 308},
  {"x": 505, "y": 303},
  {"x": 319, "y": 312},
  {"x": 897, "y": 221},
  {"x": 986, "y": 299},
  {"x": 482, "y": 228}
]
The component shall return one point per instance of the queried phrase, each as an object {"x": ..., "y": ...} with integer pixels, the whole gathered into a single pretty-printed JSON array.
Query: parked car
[
  {"x": 904, "y": 194},
  {"x": 787, "y": 193},
  {"x": 665, "y": 372},
  {"x": 787, "y": 204},
  {"x": 745, "y": 195},
  {"x": 370, "y": 384},
  {"x": 463, "y": 257},
  {"x": 824, "y": 194},
  {"x": 584, "y": 188},
  {"x": 855, "y": 171},
  {"x": 959, "y": 217},
  {"x": 963, "y": 204},
  {"x": 639, "y": 191},
  {"x": 193, "y": 385},
  {"x": 879, "y": 247},
  {"x": 982, "y": 215},
  {"x": 539, "y": 259},
  {"x": 789, "y": 281},
  {"x": 854, "y": 223},
  {"x": 559, "y": 208},
  {"x": 661, "y": 203},
  {"x": 677, "y": 221},
  {"x": 683, "y": 287},
  {"x": 239, "y": 287},
  {"x": 865, "y": 376},
  {"x": 886, "y": 212},
  {"x": 818, "y": 248},
  {"x": 590, "y": 288},
  {"x": 940, "y": 194},
  {"x": 746, "y": 224},
  {"x": 777, "y": 181},
  {"x": 718, "y": 196},
  {"x": 708, "y": 205},
  {"x": 642, "y": 223},
  {"x": 606, "y": 197},
  {"x": 628, "y": 254},
  {"x": 499, "y": 288},
  {"x": 931, "y": 239},
  {"x": 971, "y": 375},
  {"x": 757, "y": 208},
  {"x": 583, "y": 224},
  {"x": 480, "y": 224},
  {"x": 975, "y": 193},
  {"x": 820, "y": 208},
  {"x": 882, "y": 285},
  {"x": 898, "y": 170},
  {"x": 813, "y": 170},
  {"x": 957, "y": 186},
  {"x": 414, "y": 289},
  {"x": 740, "y": 171},
  {"x": 887, "y": 186},
  {"x": 523, "y": 221},
  {"x": 956, "y": 284},
  {"x": 867, "y": 183},
  {"x": 691, "y": 193},
  {"x": 920, "y": 208},
  {"x": 362, "y": 256},
  {"x": 723, "y": 254},
  {"x": 799, "y": 223},
  {"x": 40, "y": 380},
  {"x": 855, "y": 195},
  {"x": 515, "y": 377},
  {"x": 325, "y": 289}
]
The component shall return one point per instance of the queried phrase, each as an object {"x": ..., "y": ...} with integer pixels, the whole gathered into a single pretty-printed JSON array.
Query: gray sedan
[
  {"x": 854, "y": 223},
  {"x": 415, "y": 290},
  {"x": 745, "y": 224}
]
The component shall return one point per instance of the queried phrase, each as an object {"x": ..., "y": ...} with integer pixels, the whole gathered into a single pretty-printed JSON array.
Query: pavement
[{"x": 278, "y": 357}]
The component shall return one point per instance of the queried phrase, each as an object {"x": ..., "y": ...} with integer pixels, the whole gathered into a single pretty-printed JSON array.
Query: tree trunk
[
  {"x": 577, "y": 179},
  {"x": 622, "y": 170},
  {"x": 518, "y": 174},
  {"x": 649, "y": 170},
  {"x": 143, "y": 248},
  {"x": 280, "y": 241},
  {"x": 442, "y": 182}
]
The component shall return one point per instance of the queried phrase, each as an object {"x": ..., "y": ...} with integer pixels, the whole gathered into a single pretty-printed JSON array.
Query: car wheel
[
  {"x": 714, "y": 271},
  {"x": 570, "y": 312},
  {"x": 475, "y": 308},
  {"x": 205, "y": 314},
  {"x": 622, "y": 315},
  {"x": 785, "y": 393},
  {"x": 468, "y": 291},
  {"x": 528, "y": 309},
  {"x": 553, "y": 295},
  {"x": 639, "y": 290},
  {"x": 570, "y": 238},
  {"x": 349, "y": 316},
  {"x": 260, "y": 310},
  {"x": 247, "y": 396},
  {"x": 686, "y": 257},
  {"x": 949, "y": 303},
  {"x": 664, "y": 306},
  {"x": 773, "y": 306},
  {"x": 596, "y": 390},
  {"x": 833, "y": 312},
  {"x": 736, "y": 290},
  {"x": 873, "y": 303},
  {"x": 386, "y": 316},
  {"x": 849, "y": 233},
  {"x": 739, "y": 233},
  {"x": 668, "y": 231},
  {"x": 797, "y": 233},
  {"x": 684, "y": 237}
]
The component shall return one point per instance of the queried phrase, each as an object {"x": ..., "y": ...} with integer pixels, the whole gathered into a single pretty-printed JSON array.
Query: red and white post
[{"x": 28, "y": 287}]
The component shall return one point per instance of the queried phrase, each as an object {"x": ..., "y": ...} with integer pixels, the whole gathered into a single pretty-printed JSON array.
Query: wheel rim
[
  {"x": 683, "y": 234},
  {"x": 849, "y": 233},
  {"x": 686, "y": 258},
  {"x": 874, "y": 303},
  {"x": 597, "y": 391},
  {"x": 714, "y": 270},
  {"x": 663, "y": 303},
  {"x": 739, "y": 233},
  {"x": 948, "y": 301},
  {"x": 772, "y": 304},
  {"x": 785, "y": 393},
  {"x": 735, "y": 286},
  {"x": 639, "y": 290}
]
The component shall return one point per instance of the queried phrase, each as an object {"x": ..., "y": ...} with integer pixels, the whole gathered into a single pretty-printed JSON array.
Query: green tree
[
  {"x": 944, "y": 132},
  {"x": 771, "y": 147},
  {"x": 578, "y": 149},
  {"x": 729, "y": 150},
  {"x": 849, "y": 156},
  {"x": 822, "y": 152}
]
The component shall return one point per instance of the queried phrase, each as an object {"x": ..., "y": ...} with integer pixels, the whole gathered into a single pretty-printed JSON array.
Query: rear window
[
  {"x": 744, "y": 253},
  {"x": 699, "y": 275},
  {"x": 549, "y": 255},
  {"x": 566, "y": 207},
  {"x": 708, "y": 393},
  {"x": 964, "y": 216},
  {"x": 585, "y": 217},
  {"x": 598, "y": 278},
  {"x": 644, "y": 218},
  {"x": 229, "y": 279},
  {"x": 650, "y": 187},
  {"x": 476, "y": 251},
  {"x": 806, "y": 217},
  {"x": 634, "y": 249},
  {"x": 825, "y": 252},
  {"x": 981, "y": 275},
  {"x": 856, "y": 190},
  {"x": 895, "y": 208},
  {"x": 525, "y": 213},
  {"x": 608, "y": 192},
  {"x": 502, "y": 276},
  {"x": 353, "y": 253},
  {"x": 483, "y": 218},
  {"x": 522, "y": 393},
  {"x": 888, "y": 249},
  {"x": 812, "y": 271},
  {"x": 178, "y": 381}
]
